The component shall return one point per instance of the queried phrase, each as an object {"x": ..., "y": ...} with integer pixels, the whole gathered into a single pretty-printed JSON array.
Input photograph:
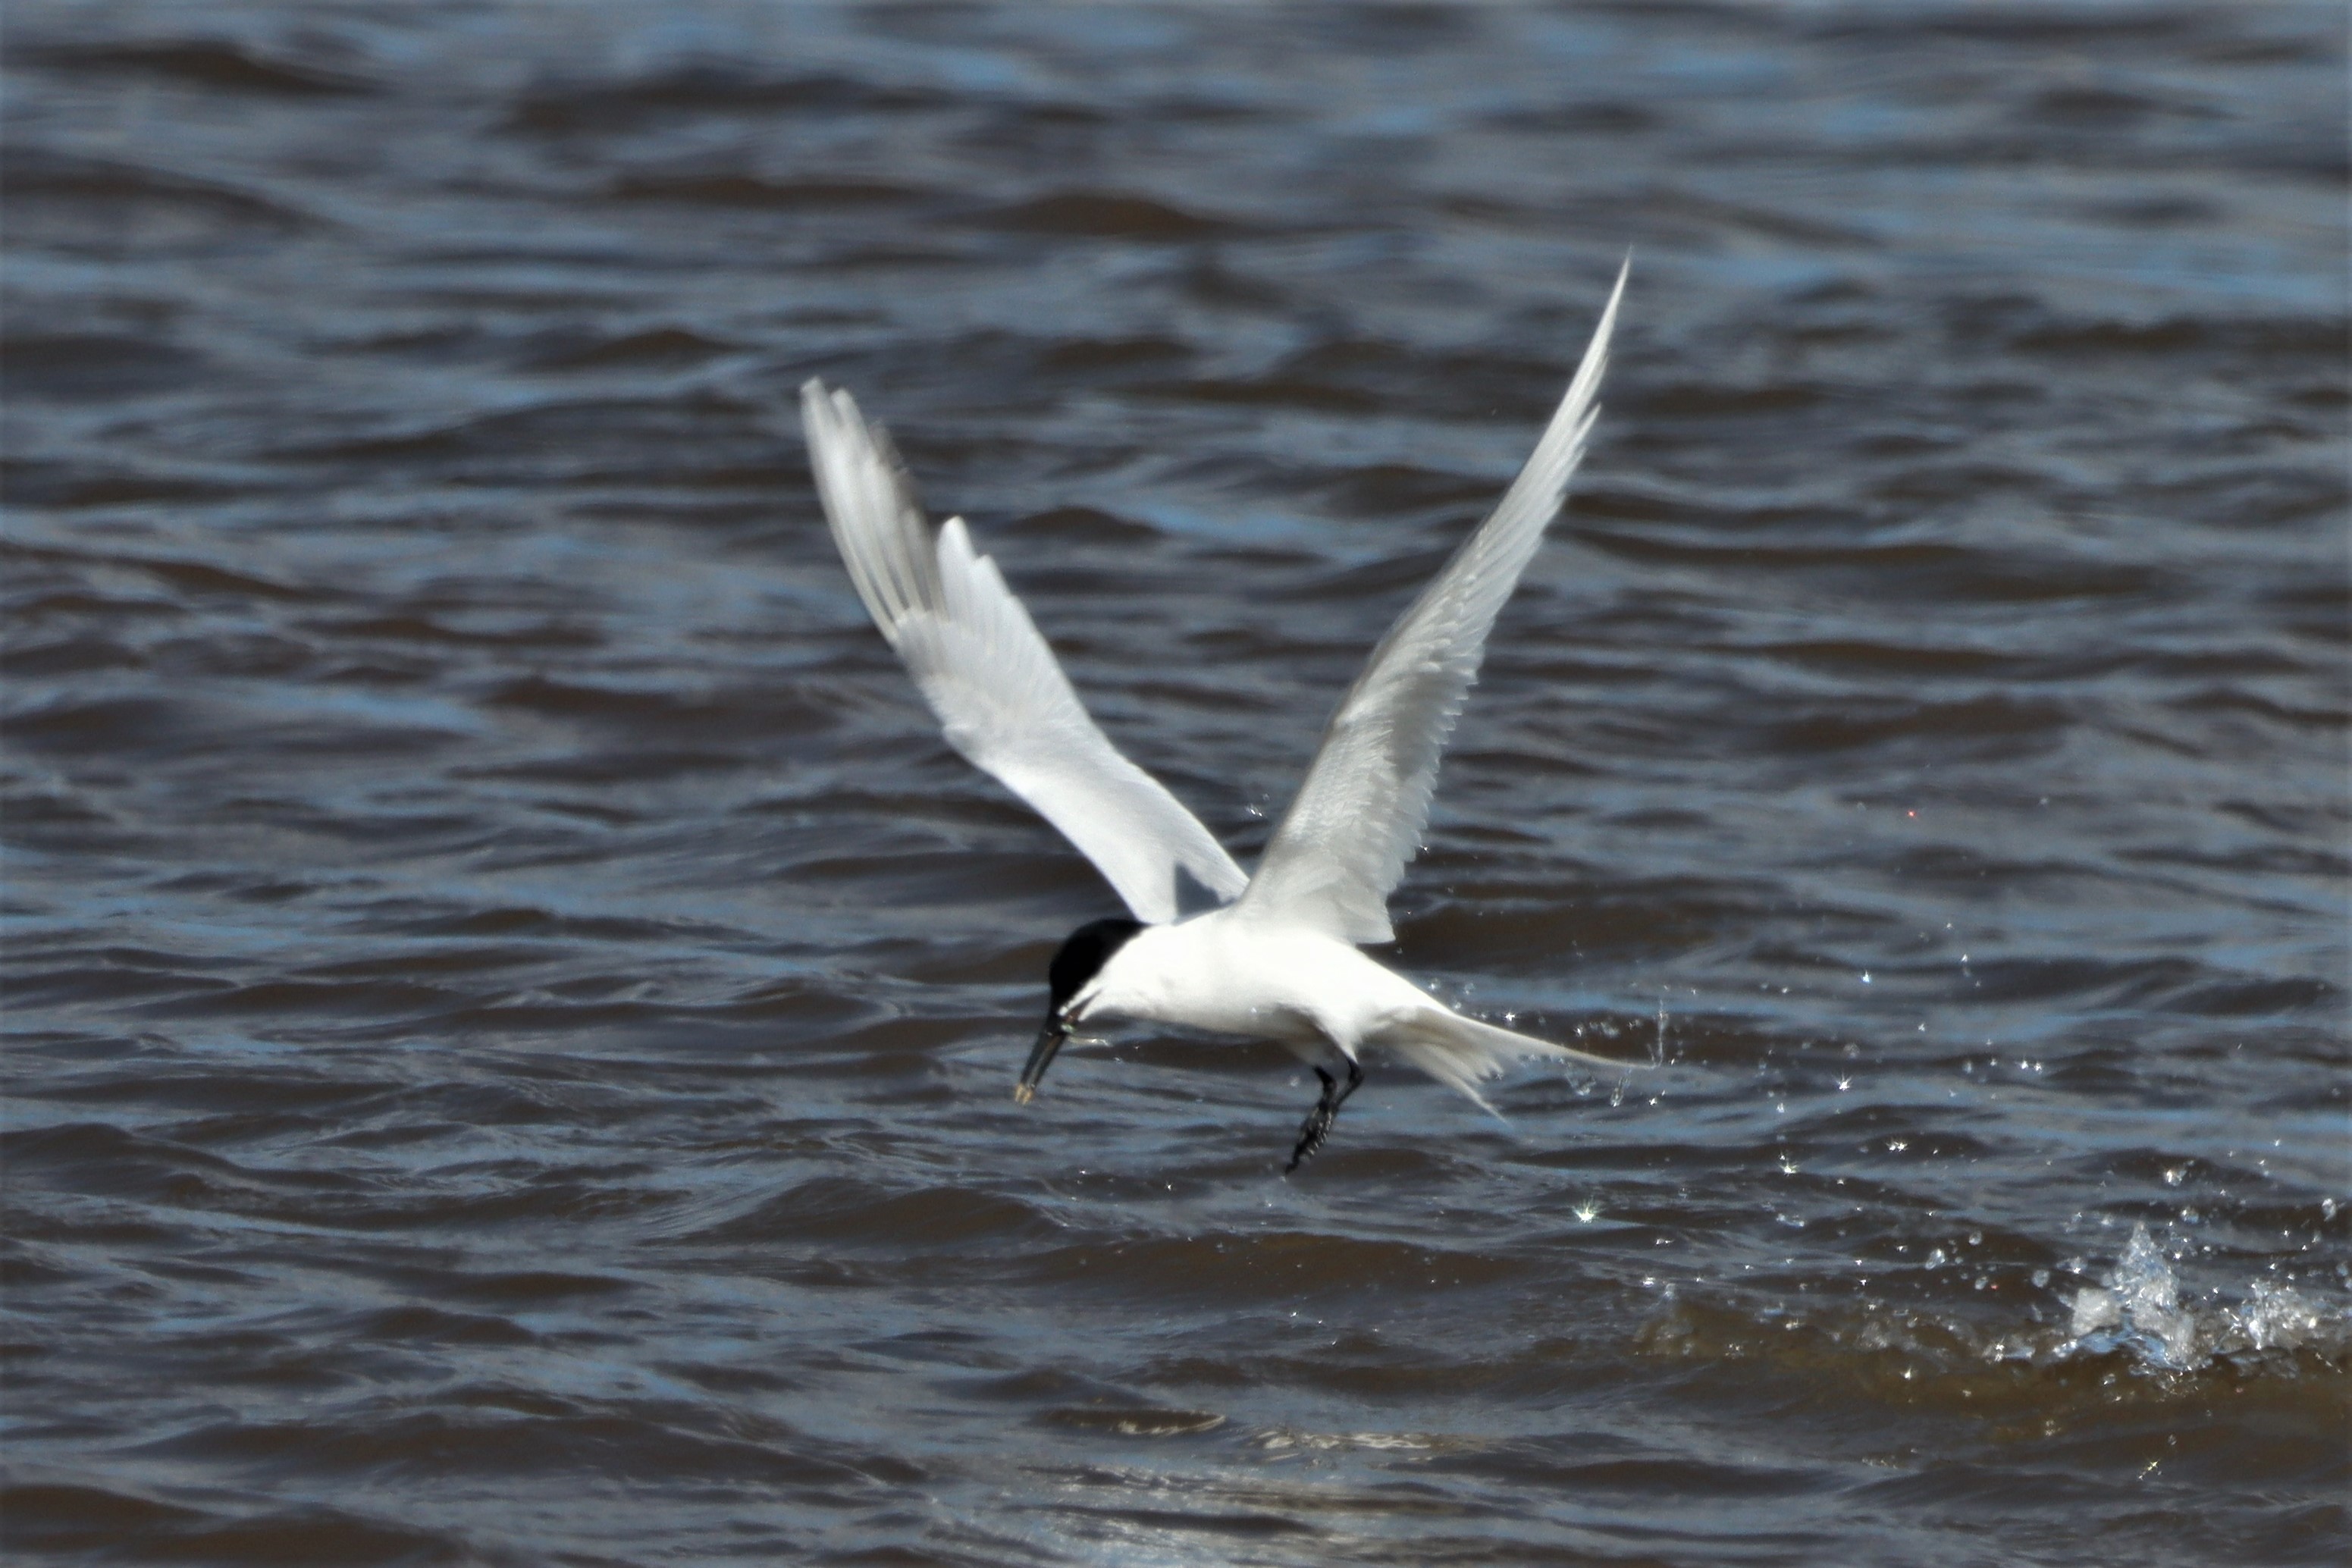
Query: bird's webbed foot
[{"x": 1318, "y": 1120}]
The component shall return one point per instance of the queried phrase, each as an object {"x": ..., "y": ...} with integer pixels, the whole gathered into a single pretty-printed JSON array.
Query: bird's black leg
[{"x": 1318, "y": 1120}]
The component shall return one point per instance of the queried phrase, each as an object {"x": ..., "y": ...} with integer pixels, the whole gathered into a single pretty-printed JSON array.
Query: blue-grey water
[{"x": 512, "y": 1007}]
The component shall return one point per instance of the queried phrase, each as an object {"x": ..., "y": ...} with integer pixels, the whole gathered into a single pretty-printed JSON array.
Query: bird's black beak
[{"x": 1041, "y": 1056}]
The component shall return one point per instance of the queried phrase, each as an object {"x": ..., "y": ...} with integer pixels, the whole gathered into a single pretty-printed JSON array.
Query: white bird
[{"x": 1276, "y": 958}]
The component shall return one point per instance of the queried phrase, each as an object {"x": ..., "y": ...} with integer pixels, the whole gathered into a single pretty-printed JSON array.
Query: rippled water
[{"x": 512, "y": 1007}]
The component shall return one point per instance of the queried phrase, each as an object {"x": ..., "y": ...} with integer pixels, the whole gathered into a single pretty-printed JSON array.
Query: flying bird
[{"x": 1276, "y": 958}]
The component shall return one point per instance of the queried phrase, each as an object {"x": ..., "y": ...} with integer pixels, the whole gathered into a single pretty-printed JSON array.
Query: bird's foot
[
  {"x": 1318, "y": 1120},
  {"x": 1310, "y": 1138}
]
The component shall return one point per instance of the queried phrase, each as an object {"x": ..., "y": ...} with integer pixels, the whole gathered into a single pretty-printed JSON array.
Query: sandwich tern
[{"x": 1276, "y": 958}]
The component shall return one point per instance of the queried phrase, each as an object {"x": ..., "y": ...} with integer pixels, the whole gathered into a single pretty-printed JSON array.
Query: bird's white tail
[{"x": 1462, "y": 1053}]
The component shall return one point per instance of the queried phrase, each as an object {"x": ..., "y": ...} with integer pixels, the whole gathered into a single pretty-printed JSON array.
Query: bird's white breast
[{"x": 1228, "y": 973}]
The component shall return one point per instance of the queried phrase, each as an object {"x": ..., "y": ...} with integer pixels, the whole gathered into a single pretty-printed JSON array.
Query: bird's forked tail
[{"x": 1461, "y": 1052}]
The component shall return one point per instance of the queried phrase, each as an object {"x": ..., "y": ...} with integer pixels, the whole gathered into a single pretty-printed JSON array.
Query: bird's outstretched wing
[
  {"x": 1359, "y": 816},
  {"x": 990, "y": 677}
]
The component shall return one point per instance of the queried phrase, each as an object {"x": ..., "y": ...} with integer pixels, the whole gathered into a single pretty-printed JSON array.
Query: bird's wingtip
[{"x": 1617, "y": 291}]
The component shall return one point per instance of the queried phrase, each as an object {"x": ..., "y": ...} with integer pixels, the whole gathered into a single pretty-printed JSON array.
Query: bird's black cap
[{"x": 1082, "y": 956}]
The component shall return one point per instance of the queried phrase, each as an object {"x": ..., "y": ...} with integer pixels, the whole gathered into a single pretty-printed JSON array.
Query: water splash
[
  {"x": 2139, "y": 1311},
  {"x": 2139, "y": 1307},
  {"x": 2279, "y": 1318}
]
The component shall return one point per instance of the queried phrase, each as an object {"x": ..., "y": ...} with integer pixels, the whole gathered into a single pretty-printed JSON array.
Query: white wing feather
[
  {"x": 981, "y": 664},
  {"x": 1359, "y": 814}
]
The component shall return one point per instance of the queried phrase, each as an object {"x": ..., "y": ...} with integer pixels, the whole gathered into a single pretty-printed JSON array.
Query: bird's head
[{"x": 1080, "y": 960}]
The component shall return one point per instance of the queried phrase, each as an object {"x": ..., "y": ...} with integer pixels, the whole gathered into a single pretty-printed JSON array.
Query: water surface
[{"x": 513, "y": 1007}]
